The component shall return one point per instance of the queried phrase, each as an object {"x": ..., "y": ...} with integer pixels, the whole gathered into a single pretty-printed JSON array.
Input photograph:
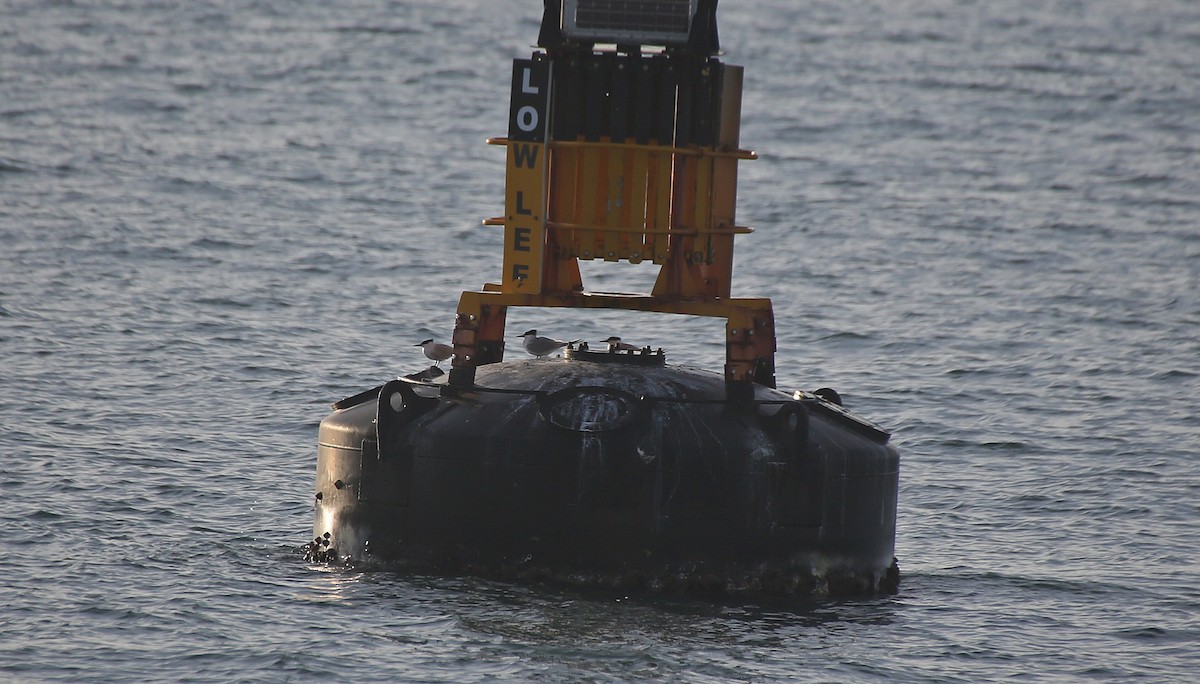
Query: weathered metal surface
[{"x": 604, "y": 473}]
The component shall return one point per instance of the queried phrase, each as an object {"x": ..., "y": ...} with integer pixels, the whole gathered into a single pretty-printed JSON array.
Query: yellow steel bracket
[
  {"x": 617, "y": 200},
  {"x": 749, "y": 326}
]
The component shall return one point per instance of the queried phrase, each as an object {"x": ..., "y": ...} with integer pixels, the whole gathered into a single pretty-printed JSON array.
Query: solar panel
[{"x": 645, "y": 22}]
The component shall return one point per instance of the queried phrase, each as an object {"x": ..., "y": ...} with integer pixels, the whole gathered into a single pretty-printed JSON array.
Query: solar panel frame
[{"x": 643, "y": 22}]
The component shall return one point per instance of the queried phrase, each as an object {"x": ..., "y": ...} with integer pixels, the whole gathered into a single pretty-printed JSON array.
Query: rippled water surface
[{"x": 978, "y": 221}]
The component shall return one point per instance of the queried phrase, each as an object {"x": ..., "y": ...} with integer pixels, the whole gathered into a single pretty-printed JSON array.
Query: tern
[
  {"x": 435, "y": 351},
  {"x": 615, "y": 344},
  {"x": 542, "y": 346}
]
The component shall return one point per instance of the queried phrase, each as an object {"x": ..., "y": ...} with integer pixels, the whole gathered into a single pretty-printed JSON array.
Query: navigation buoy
[{"x": 610, "y": 467}]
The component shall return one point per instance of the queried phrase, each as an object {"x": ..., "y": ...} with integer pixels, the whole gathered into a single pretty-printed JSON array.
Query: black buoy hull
[{"x": 602, "y": 474}]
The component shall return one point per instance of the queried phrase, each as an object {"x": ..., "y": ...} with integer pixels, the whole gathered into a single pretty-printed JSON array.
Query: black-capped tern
[
  {"x": 435, "y": 351},
  {"x": 542, "y": 346},
  {"x": 615, "y": 344}
]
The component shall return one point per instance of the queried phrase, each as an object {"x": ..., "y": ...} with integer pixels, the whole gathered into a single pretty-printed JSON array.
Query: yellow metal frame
[
  {"x": 749, "y": 325},
  {"x": 568, "y": 200}
]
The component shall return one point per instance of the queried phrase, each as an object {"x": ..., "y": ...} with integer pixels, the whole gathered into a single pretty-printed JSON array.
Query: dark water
[{"x": 979, "y": 221}]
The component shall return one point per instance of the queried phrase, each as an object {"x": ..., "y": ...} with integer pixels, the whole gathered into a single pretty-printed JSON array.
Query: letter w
[{"x": 525, "y": 155}]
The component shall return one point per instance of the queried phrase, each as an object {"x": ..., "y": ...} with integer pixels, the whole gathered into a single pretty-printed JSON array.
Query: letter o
[{"x": 527, "y": 118}]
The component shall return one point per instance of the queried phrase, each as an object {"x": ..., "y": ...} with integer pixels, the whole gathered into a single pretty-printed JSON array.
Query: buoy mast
[{"x": 622, "y": 145}]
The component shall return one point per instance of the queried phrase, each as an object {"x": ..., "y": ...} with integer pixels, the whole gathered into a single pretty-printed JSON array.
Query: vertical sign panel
[{"x": 525, "y": 182}]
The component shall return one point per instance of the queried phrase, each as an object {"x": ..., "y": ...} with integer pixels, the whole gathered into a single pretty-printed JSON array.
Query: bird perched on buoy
[
  {"x": 542, "y": 346},
  {"x": 615, "y": 344},
  {"x": 436, "y": 351}
]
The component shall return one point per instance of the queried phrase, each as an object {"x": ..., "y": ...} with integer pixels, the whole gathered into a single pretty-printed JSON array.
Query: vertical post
[
  {"x": 478, "y": 336},
  {"x": 749, "y": 347},
  {"x": 718, "y": 269},
  {"x": 525, "y": 182}
]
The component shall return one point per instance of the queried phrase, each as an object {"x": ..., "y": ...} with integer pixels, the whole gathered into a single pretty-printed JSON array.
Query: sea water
[{"x": 979, "y": 222}]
